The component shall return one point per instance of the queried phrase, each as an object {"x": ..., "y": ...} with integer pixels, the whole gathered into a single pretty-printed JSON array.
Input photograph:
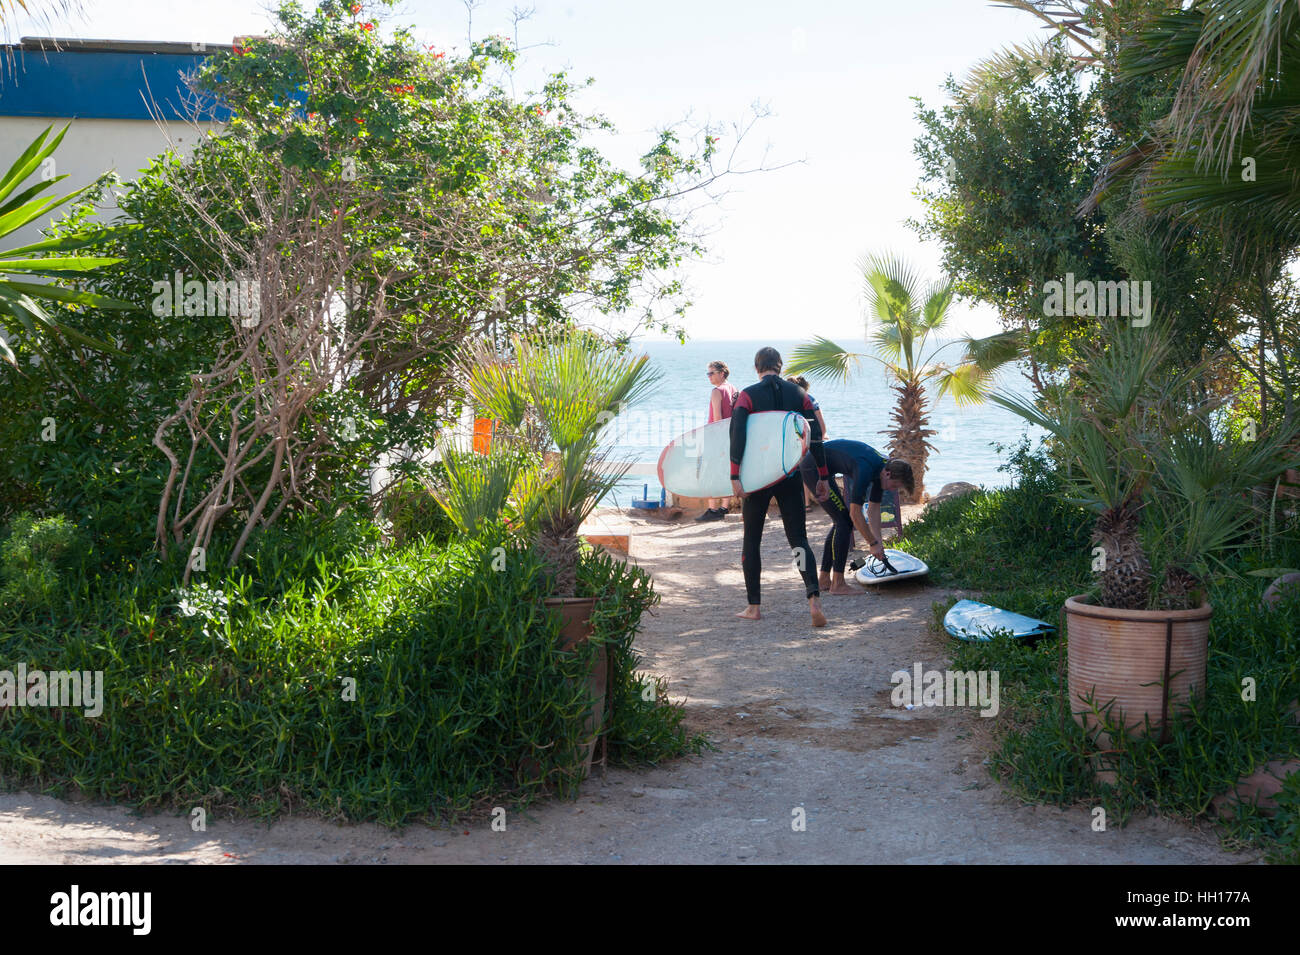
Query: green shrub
[
  {"x": 412, "y": 511},
  {"x": 233, "y": 693},
  {"x": 30, "y": 558}
]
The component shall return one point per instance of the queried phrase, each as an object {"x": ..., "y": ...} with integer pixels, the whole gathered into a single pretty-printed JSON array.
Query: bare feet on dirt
[
  {"x": 838, "y": 586},
  {"x": 750, "y": 612},
  {"x": 818, "y": 618}
]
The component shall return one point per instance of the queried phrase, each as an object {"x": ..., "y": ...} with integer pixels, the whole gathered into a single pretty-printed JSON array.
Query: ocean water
[{"x": 859, "y": 410}]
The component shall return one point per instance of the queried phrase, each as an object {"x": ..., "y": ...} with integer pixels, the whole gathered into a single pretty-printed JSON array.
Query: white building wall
[{"x": 91, "y": 148}]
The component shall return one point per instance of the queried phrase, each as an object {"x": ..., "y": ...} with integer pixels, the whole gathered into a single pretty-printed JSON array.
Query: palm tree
[
  {"x": 1077, "y": 24},
  {"x": 547, "y": 468},
  {"x": 903, "y": 312},
  {"x": 9, "y": 9},
  {"x": 19, "y": 306},
  {"x": 1137, "y": 437},
  {"x": 1238, "y": 100},
  {"x": 1223, "y": 157}
]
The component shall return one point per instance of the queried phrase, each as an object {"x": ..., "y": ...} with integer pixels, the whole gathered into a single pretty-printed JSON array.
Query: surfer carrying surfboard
[
  {"x": 773, "y": 393},
  {"x": 866, "y": 476}
]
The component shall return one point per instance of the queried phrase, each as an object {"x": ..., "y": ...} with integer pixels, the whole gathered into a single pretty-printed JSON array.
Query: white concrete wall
[{"x": 90, "y": 148}]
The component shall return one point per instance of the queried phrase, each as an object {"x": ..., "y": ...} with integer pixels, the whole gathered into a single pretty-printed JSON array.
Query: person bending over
[
  {"x": 772, "y": 393},
  {"x": 866, "y": 476}
]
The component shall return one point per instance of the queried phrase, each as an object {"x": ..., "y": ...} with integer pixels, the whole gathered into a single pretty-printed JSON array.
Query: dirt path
[{"x": 804, "y": 728}]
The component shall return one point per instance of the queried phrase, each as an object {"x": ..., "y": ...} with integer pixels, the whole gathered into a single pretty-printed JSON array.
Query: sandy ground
[{"x": 805, "y": 733}]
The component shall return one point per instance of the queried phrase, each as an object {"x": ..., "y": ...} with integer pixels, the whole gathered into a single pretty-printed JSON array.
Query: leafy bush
[
  {"x": 519, "y": 215},
  {"x": 236, "y": 694},
  {"x": 29, "y": 561},
  {"x": 413, "y": 510}
]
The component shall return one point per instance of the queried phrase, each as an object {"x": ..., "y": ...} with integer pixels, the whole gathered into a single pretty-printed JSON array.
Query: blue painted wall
[{"x": 98, "y": 84}]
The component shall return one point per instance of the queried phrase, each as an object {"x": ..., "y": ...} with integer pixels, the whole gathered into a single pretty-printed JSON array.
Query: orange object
[{"x": 483, "y": 428}]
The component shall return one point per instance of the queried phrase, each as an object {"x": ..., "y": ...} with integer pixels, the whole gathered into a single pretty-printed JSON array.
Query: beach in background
[{"x": 859, "y": 410}]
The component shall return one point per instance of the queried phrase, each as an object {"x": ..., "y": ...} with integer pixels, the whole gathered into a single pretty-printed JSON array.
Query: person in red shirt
[
  {"x": 773, "y": 393},
  {"x": 721, "y": 401}
]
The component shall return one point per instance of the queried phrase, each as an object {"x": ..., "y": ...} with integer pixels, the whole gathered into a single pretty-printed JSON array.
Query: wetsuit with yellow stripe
[{"x": 861, "y": 465}]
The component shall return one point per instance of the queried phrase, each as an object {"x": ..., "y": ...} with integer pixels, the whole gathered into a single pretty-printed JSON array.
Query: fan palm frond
[
  {"x": 824, "y": 359},
  {"x": 1006, "y": 64}
]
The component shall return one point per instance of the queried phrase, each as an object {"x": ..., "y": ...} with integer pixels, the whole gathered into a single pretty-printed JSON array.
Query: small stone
[{"x": 1284, "y": 586}]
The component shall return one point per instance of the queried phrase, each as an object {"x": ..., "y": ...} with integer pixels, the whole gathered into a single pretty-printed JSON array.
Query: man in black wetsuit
[
  {"x": 866, "y": 475},
  {"x": 772, "y": 393}
]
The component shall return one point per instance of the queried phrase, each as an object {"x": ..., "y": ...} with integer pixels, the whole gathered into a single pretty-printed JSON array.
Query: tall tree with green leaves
[
  {"x": 903, "y": 313},
  {"x": 1005, "y": 165}
]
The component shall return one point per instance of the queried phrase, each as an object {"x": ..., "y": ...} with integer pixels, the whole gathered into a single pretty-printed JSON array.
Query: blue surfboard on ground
[{"x": 973, "y": 621}]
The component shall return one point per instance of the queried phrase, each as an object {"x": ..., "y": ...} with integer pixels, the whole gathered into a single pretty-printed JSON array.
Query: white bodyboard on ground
[{"x": 907, "y": 567}]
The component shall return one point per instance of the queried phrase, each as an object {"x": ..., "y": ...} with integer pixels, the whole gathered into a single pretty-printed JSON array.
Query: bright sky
[{"x": 837, "y": 76}]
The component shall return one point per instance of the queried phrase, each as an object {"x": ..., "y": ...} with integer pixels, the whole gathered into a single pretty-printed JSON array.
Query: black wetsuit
[
  {"x": 861, "y": 465},
  {"x": 773, "y": 393}
]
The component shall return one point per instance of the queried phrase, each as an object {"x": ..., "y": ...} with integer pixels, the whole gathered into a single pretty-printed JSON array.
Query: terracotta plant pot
[
  {"x": 576, "y": 630},
  {"x": 1127, "y": 656}
]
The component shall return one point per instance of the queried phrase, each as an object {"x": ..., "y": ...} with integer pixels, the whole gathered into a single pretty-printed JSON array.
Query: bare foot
[
  {"x": 844, "y": 589},
  {"x": 818, "y": 618},
  {"x": 824, "y": 582},
  {"x": 749, "y": 613}
]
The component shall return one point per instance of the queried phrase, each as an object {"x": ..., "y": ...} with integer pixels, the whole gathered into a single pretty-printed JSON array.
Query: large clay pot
[
  {"x": 1128, "y": 656},
  {"x": 576, "y": 630}
]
